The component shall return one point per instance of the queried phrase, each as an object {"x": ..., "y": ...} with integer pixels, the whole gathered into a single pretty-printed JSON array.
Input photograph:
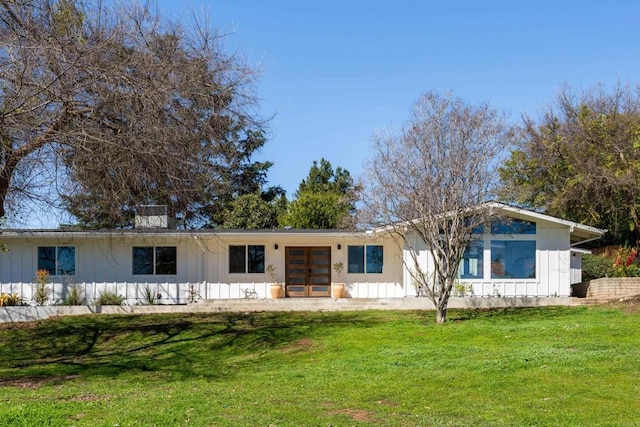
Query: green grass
[{"x": 548, "y": 366}]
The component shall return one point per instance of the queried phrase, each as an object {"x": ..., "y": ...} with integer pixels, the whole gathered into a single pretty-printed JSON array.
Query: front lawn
[{"x": 546, "y": 366}]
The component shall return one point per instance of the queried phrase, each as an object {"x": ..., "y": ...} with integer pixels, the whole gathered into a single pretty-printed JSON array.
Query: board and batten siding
[
  {"x": 576, "y": 266},
  {"x": 103, "y": 262},
  {"x": 553, "y": 274},
  {"x": 388, "y": 284}
]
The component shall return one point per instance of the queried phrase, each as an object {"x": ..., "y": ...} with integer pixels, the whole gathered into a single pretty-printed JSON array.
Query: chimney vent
[{"x": 151, "y": 216}]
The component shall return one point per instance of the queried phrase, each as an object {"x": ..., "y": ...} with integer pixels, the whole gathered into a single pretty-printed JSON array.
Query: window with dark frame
[
  {"x": 155, "y": 260},
  {"x": 246, "y": 259},
  {"x": 365, "y": 259},
  {"x": 57, "y": 260}
]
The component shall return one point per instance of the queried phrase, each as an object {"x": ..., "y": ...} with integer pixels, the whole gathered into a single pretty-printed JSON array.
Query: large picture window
[
  {"x": 57, "y": 260},
  {"x": 513, "y": 226},
  {"x": 513, "y": 259},
  {"x": 246, "y": 259},
  {"x": 365, "y": 259},
  {"x": 155, "y": 260},
  {"x": 471, "y": 266}
]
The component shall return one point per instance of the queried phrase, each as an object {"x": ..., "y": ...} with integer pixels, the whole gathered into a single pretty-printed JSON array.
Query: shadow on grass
[
  {"x": 173, "y": 346},
  {"x": 512, "y": 314}
]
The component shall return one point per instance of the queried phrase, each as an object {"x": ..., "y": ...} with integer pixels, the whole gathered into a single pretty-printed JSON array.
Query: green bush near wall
[{"x": 595, "y": 267}]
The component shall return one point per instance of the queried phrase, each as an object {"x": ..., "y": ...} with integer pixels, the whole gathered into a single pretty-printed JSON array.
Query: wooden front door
[{"x": 308, "y": 271}]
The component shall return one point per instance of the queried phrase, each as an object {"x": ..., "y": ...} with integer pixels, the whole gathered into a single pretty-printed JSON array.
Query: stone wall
[{"x": 608, "y": 287}]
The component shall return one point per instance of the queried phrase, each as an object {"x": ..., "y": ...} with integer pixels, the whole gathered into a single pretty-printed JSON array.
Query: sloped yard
[{"x": 542, "y": 366}]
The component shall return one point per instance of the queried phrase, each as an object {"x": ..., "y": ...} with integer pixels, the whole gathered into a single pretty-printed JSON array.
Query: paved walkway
[{"x": 24, "y": 314}]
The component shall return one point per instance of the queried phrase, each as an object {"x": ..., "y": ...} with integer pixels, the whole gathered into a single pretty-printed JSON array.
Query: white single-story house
[{"x": 534, "y": 255}]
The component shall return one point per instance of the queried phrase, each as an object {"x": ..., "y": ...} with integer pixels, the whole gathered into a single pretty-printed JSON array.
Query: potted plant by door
[
  {"x": 276, "y": 288},
  {"x": 338, "y": 286}
]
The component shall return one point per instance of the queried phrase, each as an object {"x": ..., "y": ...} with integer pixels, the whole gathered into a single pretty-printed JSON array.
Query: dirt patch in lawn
[
  {"x": 355, "y": 414},
  {"x": 20, "y": 325},
  {"x": 34, "y": 381},
  {"x": 298, "y": 346},
  {"x": 629, "y": 304}
]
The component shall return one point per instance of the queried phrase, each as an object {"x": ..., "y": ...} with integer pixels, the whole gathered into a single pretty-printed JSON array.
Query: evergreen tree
[{"x": 324, "y": 200}]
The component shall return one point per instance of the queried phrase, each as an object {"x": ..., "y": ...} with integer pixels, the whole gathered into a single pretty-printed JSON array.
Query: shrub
[
  {"x": 595, "y": 267},
  {"x": 74, "y": 296},
  {"x": 109, "y": 298},
  {"x": 149, "y": 297},
  {"x": 626, "y": 263},
  {"x": 461, "y": 289},
  {"x": 42, "y": 292},
  {"x": 10, "y": 299}
]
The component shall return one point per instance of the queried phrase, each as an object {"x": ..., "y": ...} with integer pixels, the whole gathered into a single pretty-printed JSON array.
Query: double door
[{"x": 308, "y": 271}]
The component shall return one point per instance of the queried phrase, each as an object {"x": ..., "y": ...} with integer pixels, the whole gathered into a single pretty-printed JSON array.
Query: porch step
[
  {"x": 308, "y": 304},
  {"x": 347, "y": 304}
]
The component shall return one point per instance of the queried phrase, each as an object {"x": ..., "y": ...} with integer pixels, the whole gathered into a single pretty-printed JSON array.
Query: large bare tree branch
[
  {"x": 431, "y": 182},
  {"x": 131, "y": 109}
]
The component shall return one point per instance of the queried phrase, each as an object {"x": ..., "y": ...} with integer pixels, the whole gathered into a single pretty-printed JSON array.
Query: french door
[{"x": 308, "y": 271}]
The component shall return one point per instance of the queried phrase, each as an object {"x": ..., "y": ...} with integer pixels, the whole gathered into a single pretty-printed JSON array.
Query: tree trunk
[
  {"x": 441, "y": 307},
  {"x": 6, "y": 172},
  {"x": 633, "y": 213}
]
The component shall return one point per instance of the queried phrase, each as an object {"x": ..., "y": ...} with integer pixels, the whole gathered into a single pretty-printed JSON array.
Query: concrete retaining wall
[
  {"x": 608, "y": 288},
  {"x": 26, "y": 314}
]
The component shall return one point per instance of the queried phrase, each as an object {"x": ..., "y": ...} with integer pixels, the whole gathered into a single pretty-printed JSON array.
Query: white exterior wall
[
  {"x": 104, "y": 262},
  {"x": 223, "y": 284},
  {"x": 576, "y": 267},
  {"x": 553, "y": 273},
  {"x": 423, "y": 256}
]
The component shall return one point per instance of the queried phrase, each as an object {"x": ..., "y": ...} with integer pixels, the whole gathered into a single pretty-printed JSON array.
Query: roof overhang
[
  {"x": 579, "y": 233},
  {"x": 167, "y": 233}
]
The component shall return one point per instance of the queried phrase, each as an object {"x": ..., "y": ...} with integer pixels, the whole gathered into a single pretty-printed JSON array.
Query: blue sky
[{"x": 336, "y": 72}]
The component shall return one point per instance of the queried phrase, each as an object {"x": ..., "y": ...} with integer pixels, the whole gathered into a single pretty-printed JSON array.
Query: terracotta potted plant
[
  {"x": 338, "y": 286},
  {"x": 276, "y": 288}
]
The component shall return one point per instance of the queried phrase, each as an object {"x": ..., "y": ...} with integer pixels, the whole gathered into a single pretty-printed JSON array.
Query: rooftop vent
[{"x": 151, "y": 216}]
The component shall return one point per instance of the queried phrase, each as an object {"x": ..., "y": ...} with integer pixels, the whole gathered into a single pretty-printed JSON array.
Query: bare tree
[
  {"x": 116, "y": 107},
  {"x": 429, "y": 184}
]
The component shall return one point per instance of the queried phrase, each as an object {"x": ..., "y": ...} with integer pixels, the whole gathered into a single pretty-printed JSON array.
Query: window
[
  {"x": 57, "y": 260},
  {"x": 515, "y": 259},
  {"x": 471, "y": 266},
  {"x": 356, "y": 259},
  {"x": 246, "y": 259},
  {"x": 155, "y": 260},
  {"x": 365, "y": 259},
  {"x": 476, "y": 228},
  {"x": 513, "y": 226}
]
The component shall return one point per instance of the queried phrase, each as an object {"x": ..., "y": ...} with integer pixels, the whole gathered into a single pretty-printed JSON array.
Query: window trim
[{"x": 154, "y": 262}]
